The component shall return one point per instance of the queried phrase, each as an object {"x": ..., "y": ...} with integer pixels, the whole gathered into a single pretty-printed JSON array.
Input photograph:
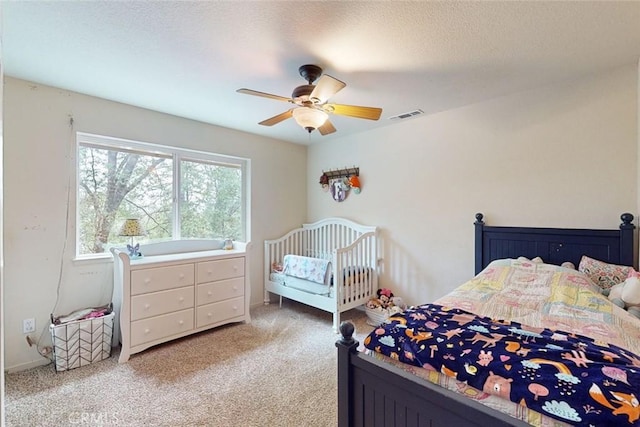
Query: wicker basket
[{"x": 376, "y": 317}]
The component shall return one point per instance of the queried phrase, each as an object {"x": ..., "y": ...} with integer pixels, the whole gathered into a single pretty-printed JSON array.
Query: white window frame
[{"x": 176, "y": 154}]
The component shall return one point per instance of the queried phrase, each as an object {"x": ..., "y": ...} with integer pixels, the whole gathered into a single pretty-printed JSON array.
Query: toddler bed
[
  {"x": 330, "y": 264},
  {"x": 519, "y": 344}
]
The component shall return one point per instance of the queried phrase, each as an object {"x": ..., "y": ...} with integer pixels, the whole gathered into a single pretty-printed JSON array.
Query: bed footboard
[{"x": 373, "y": 393}]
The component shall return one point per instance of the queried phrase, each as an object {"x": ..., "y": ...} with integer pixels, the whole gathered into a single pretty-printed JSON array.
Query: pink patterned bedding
[{"x": 547, "y": 296}]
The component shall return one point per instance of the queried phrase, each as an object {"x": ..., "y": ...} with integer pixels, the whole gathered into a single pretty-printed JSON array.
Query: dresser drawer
[
  {"x": 220, "y": 290},
  {"x": 158, "y": 327},
  {"x": 155, "y": 303},
  {"x": 161, "y": 278},
  {"x": 219, "y": 311},
  {"x": 210, "y": 271}
]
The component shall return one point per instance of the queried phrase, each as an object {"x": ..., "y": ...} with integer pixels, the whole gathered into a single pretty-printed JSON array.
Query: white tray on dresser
[{"x": 177, "y": 288}]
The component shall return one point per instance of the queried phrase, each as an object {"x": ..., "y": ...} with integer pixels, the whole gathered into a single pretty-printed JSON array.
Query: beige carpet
[{"x": 280, "y": 370}]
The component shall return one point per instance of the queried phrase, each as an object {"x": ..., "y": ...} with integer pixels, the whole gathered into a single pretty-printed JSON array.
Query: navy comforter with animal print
[{"x": 566, "y": 376}]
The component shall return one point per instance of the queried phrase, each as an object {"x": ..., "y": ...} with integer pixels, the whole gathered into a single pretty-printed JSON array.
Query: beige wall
[
  {"x": 40, "y": 164},
  {"x": 562, "y": 156}
]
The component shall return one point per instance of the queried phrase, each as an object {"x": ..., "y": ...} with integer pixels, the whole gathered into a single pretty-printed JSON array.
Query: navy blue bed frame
[
  {"x": 554, "y": 245},
  {"x": 373, "y": 393}
]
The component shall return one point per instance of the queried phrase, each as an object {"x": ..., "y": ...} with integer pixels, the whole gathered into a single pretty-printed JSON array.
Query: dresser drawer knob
[
  {"x": 147, "y": 280},
  {"x": 235, "y": 288},
  {"x": 146, "y": 306},
  {"x": 146, "y": 331},
  {"x": 182, "y": 275},
  {"x": 235, "y": 308},
  {"x": 209, "y": 314},
  {"x": 181, "y": 299},
  {"x": 209, "y": 272},
  {"x": 209, "y": 293},
  {"x": 180, "y": 322}
]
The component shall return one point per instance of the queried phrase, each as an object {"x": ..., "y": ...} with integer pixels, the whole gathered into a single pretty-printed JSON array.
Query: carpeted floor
[{"x": 280, "y": 370}]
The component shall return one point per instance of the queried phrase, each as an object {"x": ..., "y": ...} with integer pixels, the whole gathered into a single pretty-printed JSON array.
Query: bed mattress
[{"x": 300, "y": 284}]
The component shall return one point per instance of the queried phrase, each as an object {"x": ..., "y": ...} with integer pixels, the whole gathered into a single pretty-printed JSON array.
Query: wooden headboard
[{"x": 554, "y": 245}]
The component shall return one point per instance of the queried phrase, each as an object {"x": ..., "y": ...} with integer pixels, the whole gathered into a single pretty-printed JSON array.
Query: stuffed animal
[
  {"x": 627, "y": 295},
  {"x": 373, "y": 303},
  {"x": 398, "y": 302},
  {"x": 385, "y": 295},
  {"x": 384, "y": 300}
]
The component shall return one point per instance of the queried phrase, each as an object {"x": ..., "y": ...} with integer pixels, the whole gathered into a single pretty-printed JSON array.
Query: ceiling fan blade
[
  {"x": 370, "y": 113},
  {"x": 263, "y": 94},
  {"x": 327, "y": 87},
  {"x": 326, "y": 128},
  {"x": 277, "y": 119}
]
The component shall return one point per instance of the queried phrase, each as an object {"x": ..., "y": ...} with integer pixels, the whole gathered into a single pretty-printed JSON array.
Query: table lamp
[{"x": 132, "y": 228}]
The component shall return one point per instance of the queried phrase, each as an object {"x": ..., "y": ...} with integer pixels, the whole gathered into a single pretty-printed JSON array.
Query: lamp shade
[
  {"x": 310, "y": 118},
  {"x": 132, "y": 227}
]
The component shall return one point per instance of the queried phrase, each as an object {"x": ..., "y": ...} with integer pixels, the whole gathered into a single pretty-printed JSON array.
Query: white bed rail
[{"x": 354, "y": 266}]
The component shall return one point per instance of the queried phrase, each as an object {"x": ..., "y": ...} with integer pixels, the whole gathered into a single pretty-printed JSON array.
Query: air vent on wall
[{"x": 408, "y": 115}]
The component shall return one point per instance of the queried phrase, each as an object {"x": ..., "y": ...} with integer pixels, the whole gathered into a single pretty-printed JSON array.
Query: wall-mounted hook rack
[
  {"x": 341, "y": 181},
  {"x": 342, "y": 173}
]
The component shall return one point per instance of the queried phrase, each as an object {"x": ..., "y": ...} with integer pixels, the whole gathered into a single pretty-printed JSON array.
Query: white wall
[
  {"x": 39, "y": 165},
  {"x": 560, "y": 156},
  {"x": 564, "y": 155}
]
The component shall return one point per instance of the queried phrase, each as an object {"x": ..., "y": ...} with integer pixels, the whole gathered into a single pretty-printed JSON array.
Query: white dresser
[{"x": 177, "y": 288}]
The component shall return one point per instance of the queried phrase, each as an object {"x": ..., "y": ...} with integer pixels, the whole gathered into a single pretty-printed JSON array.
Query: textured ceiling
[{"x": 188, "y": 58}]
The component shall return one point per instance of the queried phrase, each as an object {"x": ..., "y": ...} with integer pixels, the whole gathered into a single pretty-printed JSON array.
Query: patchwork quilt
[{"x": 562, "y": 374}]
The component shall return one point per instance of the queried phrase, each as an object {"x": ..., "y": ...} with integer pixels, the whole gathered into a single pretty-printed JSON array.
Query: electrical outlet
[{"x": 28, "y": 326}]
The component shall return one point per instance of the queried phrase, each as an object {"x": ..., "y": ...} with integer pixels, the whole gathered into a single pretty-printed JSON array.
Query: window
[{"x": 175, "y": 193}]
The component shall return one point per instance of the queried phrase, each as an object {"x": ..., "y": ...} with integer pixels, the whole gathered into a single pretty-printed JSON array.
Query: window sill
[{"x": 96, "y": 259}]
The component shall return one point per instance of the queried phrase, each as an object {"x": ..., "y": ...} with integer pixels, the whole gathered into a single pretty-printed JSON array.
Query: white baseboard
[{"x": 25, "y": 366}]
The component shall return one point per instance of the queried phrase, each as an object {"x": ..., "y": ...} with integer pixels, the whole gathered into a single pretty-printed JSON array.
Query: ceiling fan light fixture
[{"x": 309, "y": 118}]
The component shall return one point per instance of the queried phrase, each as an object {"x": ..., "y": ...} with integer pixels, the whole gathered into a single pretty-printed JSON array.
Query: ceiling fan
[{"x": 311, "y": 109}]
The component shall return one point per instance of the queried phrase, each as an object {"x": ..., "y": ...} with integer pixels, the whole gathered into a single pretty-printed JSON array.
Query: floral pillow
[{"x": 604, "y": 274}]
